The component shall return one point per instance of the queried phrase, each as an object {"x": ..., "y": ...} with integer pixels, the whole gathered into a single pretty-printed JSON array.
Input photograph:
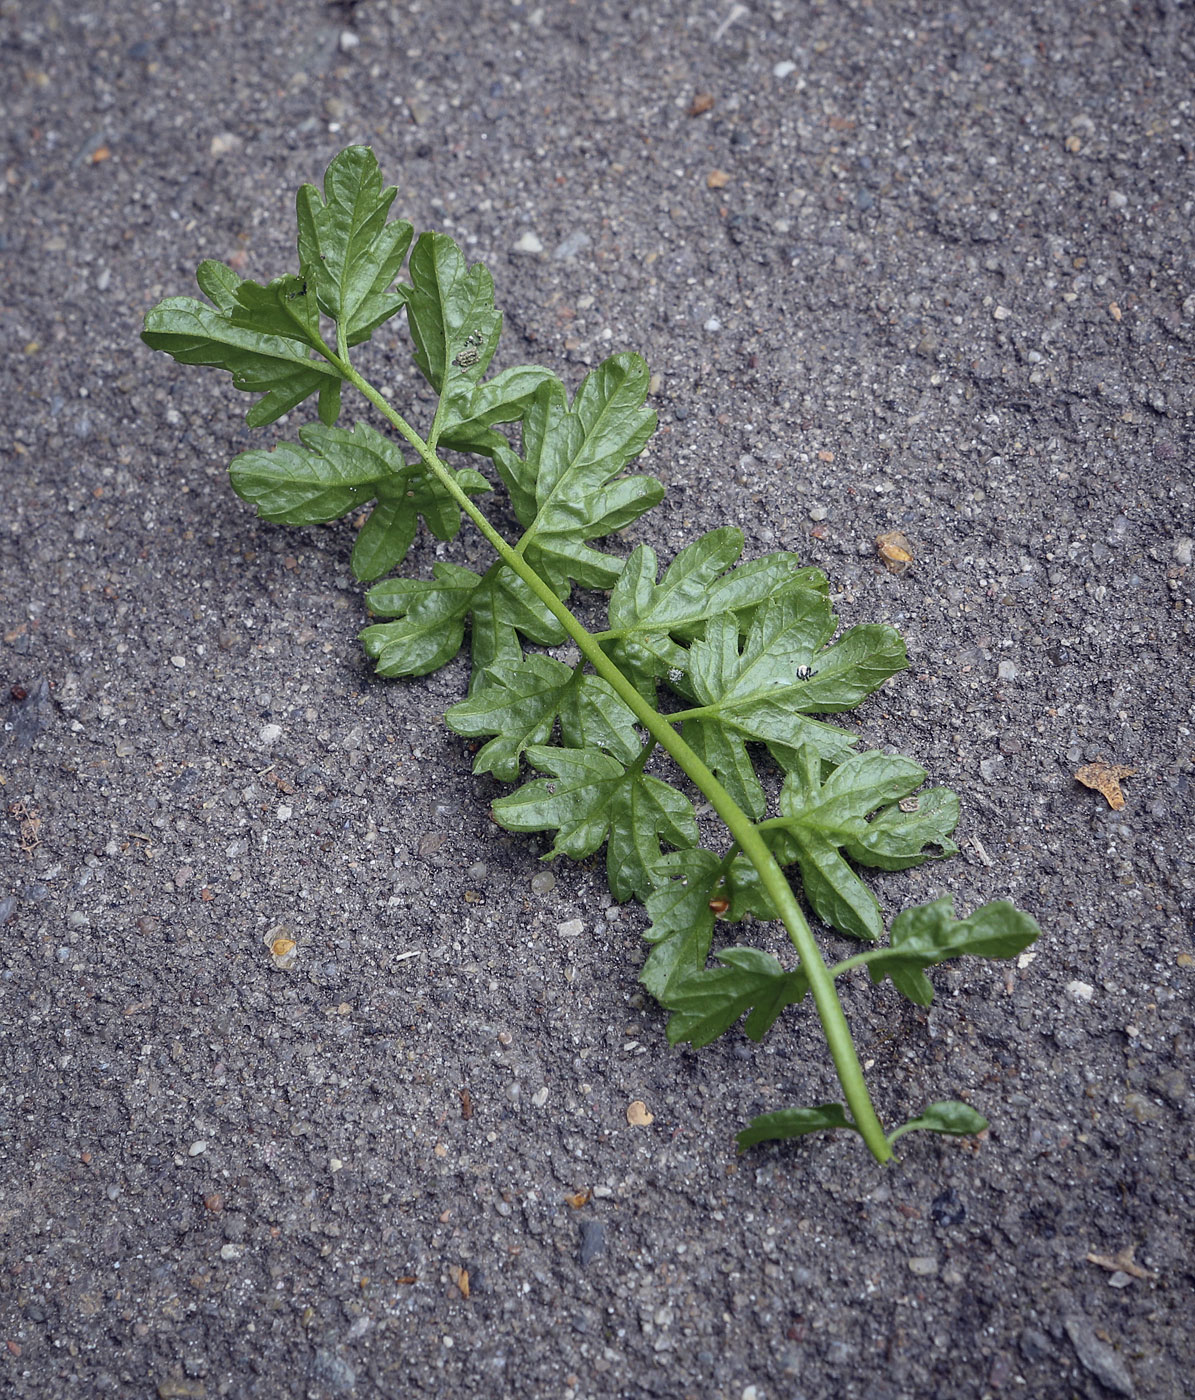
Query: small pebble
[
  {"x": 478, "y": 870},
  {"x": 1001, "y": 313},
  {"x": 348, "y": 40},
  {"x": 1006, "y": 671},
  {"x": 222, "y": 143},
  {"x": 818, "y": 512},
  {"x": 1080, "y": 991},
  {"x": 529, "y": 243},
  {"x": 230, "y": 1251},
  {"x": 571, "y": 245},
  {"x": 197, "y": 1148},
  {"x": 1184, "y": 551},
  {"x": 1116, "y": 200},
  {"x": 269, "y": 733},
  {"x": 1142, "y": 1109},
  {"x": 593, "y": 1241},
  {"x": 784, "y": 68},
  {"x": 713, "y": 324},
  {"x": 573, "y": 928},
  {"x": 285, "y": 813},
  {"x": 923, "y": 1265},
  {"x": 540, "y": 1097},
  {"x": 543, "y": 883}
]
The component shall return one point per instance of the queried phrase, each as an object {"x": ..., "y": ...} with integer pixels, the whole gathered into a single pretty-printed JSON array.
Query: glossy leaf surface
[
  {"x": 783, "y": 673},
  {"x": 709, "y": 1002},
  {"x": 521, "y": 704},
  {"x": 279, "y": 368},
  {"x": 649, "y": 621},
  {"x": 349, "y": 254},
  {"x": 793, "y": 1123},
  {"x": 930, "y": 933},
  {"x": 590, "y": 797},
  {"x": 820, "y": 819}
]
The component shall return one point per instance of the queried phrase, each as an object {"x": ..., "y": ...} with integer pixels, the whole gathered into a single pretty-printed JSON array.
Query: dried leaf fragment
[
  {"x": 894, "y": 549},
  {"x": 637, "y": 1114},
  {"x": 702, "y": 102},
  {"x": 1121, "y": 1262},
  {"x": 460, "y": 1278},
  {"x": 1105, "y": 777},
  {"x": 717, "y": 179},
  {"x": 578, "y": 1199}
]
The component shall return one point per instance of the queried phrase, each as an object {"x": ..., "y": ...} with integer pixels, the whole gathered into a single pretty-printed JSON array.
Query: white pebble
[
  {"x": 1007, "y": 671},
  {"x": 285, "y": 813},
  {"x": 224, "y": 142},
  {"x": 1080, "y": 991},
  {"x": 713, "y": 324},
  {"x": 573, "y": 928},
  {"x": 1116, "y": 200},
  {"x": 230, "y": 1251},
  {"x": 1183, "y": 549},
  {"x": 529, "y": 243},
  {"x": 784, "y": 68},
  {"x": 269, "y": 733},
  {"x": 818, "y": 512},
  {"x": 540, "y": 1097},
  {"x": 348, "y": 40},
  {"x": 1001, "y": 313},
  {"x": 197, "y": 1148},
  {"x": 179, "y": 661}
]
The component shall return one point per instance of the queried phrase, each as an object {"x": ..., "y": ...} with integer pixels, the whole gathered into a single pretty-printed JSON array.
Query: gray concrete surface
[{"x": 943, "y": 284}]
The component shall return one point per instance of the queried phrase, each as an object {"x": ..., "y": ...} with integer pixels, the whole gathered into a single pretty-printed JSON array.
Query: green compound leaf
[
  {"x": 333, "y": 472},
  {"x": 499, "y": 606},
  {"x": 649, "y": 620},
  {"x": 520, "y": 705},
  {"x": 792, "y": 1123},
  {"x": 450, "y": 310},
  {"x": 503, "y": 399},
  {"x": 564, "y": 490},
  {"x": 503, "y": 607},
  {"x": 784, "y": 672},
  {"x": 431, "y": 624},
  {"x": 682, "y": 922},
  {"x": 284, "y": 307},
  {"x": 387, "y": 535},
  {"x": 930, "y": 933},
  {"x": 820, "y": 820},
  {"x": 349, "y": 254},
  {"x": 589, "y": 798},
  {"x": 897, "y": 837},
  {"x": 278, "y": 367},
  {"x": 948, "y": 1116},
  {"x": 709, "y": 1002}
]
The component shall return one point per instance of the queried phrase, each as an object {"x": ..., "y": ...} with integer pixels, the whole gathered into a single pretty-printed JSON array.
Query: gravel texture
[{"x": 905, "y": 267}]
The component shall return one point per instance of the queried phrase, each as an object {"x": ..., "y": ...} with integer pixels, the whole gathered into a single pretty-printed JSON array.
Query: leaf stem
[{"x": 740, "y": 826}]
